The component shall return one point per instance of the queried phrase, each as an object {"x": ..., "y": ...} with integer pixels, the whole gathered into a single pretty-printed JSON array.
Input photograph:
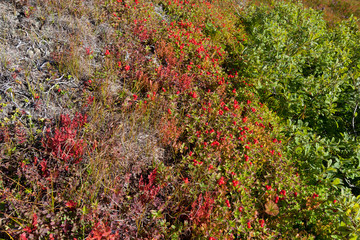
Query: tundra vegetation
[{"x": 169, "y": 119}]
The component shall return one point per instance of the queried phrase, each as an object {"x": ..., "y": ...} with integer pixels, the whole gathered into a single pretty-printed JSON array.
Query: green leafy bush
[{"x": 309, "y": 74}]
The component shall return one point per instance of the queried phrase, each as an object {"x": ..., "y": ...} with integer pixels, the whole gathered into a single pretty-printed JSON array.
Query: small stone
[
  {"x": 30, "y": 53},
  {"x": 37, "y": 25},
  {"x": 37, "y": 52}
]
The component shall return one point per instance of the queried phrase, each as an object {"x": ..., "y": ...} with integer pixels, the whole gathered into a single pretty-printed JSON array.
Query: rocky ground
[{"x": 34, "y": 44}]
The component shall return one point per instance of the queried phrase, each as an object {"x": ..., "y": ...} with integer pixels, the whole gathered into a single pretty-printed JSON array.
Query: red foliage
[
  {"x": 201, "y": 209},
  {"x": 65, "y": 144},
  {"x": 102, "y": 231},
  {"x": 149, "y": 190}
]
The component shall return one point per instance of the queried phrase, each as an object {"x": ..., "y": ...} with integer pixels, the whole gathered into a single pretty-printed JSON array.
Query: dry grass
[
  {"x": 43, "y": 54},
  {"x": 49, "y": 50}
]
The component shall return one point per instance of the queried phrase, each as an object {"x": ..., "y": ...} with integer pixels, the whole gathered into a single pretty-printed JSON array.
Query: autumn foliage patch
[{"x": 176, "y": 136}]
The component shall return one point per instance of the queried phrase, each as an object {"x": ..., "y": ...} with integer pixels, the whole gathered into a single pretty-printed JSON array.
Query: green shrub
[{"x": 309, "y": 74}]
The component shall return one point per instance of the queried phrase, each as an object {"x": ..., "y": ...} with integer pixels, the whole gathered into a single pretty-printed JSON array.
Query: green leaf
[
  {"x": 336, "y": 181},
  {"x": 85, "y": 210},
  {"x": 344, "y": 229},
  {"x": 354, "y": 237},
  {"x": 331, "y": 170}
]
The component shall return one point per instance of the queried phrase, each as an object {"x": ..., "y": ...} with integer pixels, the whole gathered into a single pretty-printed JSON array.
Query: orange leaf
[{"x": 271, "y": 208}]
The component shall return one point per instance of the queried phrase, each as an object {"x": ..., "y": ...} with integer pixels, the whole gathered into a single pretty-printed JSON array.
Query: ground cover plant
[
  {"x": 177, "y": 120},
  {"x": 333, "y": 11}
]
